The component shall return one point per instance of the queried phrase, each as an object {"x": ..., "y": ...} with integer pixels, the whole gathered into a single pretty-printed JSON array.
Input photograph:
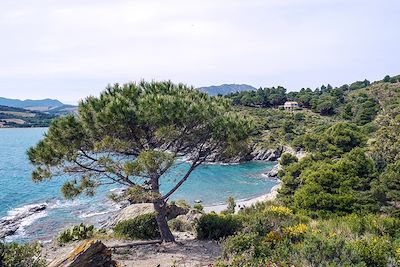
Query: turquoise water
[{"x": 212, "y": 184}]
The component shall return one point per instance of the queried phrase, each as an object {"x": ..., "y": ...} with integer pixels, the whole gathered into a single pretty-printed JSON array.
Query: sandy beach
[{"x": 248, "y": 202}]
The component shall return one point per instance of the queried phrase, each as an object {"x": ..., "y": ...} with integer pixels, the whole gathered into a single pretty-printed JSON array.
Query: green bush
[
  {"x": 214, "y": 226},
  {"x": 230, "y": 209},
  {"x": 374, "y": 251},
  {"x": 75, "y": 233},
  {"x": 198, "y": 207},
  {"x": 21, "y": 255},
  {"x": 287, "y": 159},
  {"x": 179, "y": 225},
  {"x": 239, "y": 243},
  {"x": 141, "y": 227},
  {"x": 181, "y": 203}
]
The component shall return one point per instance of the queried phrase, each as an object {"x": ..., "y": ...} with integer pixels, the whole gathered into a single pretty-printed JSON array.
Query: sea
[{"x": 211, "y": 183}]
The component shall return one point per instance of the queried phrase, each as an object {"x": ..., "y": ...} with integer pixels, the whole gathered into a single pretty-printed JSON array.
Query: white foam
[
  {"x": 20, "y": 210},
  {"x": 65, "y": 203},
  {"x": 92, "y": 214}
]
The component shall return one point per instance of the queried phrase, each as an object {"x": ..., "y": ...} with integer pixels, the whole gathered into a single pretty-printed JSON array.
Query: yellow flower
[
  {"x": 398, "y": 255},
  {"x": 280, "y": 210},
  {"x": 273, "y": 237},
  {"x": 295, "y": 231}
]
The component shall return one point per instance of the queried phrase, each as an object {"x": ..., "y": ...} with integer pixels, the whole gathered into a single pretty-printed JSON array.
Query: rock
[
  {"x": 135, "y": 210},
  {"x": 9, "y": 225},
  {"x": 129, "y": 212},
  {"x": 90, "y": 253},
  {"x": 191, "y": 217},
  {"x": 273, "y": 173},
  {"x": 174, "y": 211},
  {"x": 266, "y": 154}
]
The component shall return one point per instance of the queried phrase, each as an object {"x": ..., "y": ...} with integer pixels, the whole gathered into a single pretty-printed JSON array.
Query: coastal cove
[{"x": 212, "y": 184}]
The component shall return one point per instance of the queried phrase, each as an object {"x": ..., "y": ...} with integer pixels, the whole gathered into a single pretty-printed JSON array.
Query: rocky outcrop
[
  {"x": 90, "y": 253},
  {"x": 192, "y": 217},
  {"x": 273, "y": 173},
  {"x": 135, "y": 210},
  {"x": 9, "y": 225},
  {"x": 266, "y": 154}
]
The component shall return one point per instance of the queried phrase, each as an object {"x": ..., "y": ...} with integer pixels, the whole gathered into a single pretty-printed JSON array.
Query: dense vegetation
[
  {"x": 339, "y": 205},
  {"x": 21, "y": 255},
  {"x": 354, "y": 102},
  {"x": 274, "y": 235}
]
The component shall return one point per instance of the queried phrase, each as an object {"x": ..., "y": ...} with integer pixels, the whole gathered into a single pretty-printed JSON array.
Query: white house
[{"x": 291, "y": 105}]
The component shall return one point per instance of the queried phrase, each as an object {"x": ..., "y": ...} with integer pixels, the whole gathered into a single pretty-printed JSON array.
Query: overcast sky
[{"x": 68, "y": 49}]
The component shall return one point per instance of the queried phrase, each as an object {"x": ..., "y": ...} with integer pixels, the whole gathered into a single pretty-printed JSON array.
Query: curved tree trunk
[{"x": 161, "y": 216}]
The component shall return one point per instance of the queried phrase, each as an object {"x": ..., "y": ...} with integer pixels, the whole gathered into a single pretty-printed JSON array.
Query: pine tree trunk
[{"x": 161, "y": 216}]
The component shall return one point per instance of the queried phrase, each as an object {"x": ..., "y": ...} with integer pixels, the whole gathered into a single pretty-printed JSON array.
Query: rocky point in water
[{"x": 9, "y": 225}]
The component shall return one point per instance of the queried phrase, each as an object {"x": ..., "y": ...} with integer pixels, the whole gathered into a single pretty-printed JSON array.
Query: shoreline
[{"x": 247, "y": 202}]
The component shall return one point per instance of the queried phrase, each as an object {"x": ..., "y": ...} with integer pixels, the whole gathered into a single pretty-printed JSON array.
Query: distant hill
[
  {"x": 29, "y": 103},
  {"x": 11, "y": 117},
  {"x": 51, "y": 106},
  {"x": 225, "y": 89}
]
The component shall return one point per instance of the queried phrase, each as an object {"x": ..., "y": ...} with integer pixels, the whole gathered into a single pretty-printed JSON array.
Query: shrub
[
  {"x": 180, "y": 225},
  {"x": 295, "y": 232},
  {"x": 239, "y": 243},
  {"x": 181, "y": 203},
  {"x": 287, "y": 159},
  {"x": 319, "y": 250},
  {"x": 21, "y": 255},
  {"x": 374, "y": 251},
  {"x": 141, "y": 227},
  {"x": 230, "y": 209},
  {"x": 280, "y": 211},
  {"x": 214, "y": 226},
  {"x": 198, "y": 207},
  {"x": 75, "y": 233}
]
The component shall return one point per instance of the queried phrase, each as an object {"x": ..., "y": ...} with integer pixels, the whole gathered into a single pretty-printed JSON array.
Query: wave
[
  {"x": 65, "y": 203},
  {"x": 92, "y": 214},
  {"x": 18, "y": 218}
]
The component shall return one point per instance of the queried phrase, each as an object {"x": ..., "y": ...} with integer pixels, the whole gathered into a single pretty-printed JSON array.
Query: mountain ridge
[
  {"x": 224, "y": 89},
  {"x": 10, "y": 102}
]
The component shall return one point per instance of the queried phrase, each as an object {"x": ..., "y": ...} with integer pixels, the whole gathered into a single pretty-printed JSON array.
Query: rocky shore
[{"x": 9, "y": 225}]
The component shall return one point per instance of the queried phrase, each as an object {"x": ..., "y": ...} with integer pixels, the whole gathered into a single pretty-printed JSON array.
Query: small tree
[
  {"x": 133, "y": 134},
  {"x": 231, "y": 205}
]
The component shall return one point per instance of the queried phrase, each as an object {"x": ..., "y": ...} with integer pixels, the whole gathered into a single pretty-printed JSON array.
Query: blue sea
[{"x": 212, "y": 184}]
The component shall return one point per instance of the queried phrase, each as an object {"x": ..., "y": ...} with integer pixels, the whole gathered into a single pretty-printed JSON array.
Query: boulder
[
  {"x": 191, "y": 217},
  {"x": 135, "y": 210},
  {"x": 90, "y": 253},
  {"x": 273, "y": 173},
  {"x": 173, "y": 211}
]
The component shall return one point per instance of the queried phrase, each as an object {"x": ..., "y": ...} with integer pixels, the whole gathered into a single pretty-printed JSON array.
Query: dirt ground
[{"x": 187, "y": 252}]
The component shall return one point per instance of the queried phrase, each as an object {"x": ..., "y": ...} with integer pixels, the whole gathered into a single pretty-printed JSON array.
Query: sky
[{"x": 69, "y": 49}]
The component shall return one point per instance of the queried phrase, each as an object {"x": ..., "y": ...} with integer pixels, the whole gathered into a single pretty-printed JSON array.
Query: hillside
[
  {"x": 225, "y": 89},
  {"x": 29, "y": 103},
  {"x": 11, "y": 117},
  {"x": 363, "y": 103}
]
